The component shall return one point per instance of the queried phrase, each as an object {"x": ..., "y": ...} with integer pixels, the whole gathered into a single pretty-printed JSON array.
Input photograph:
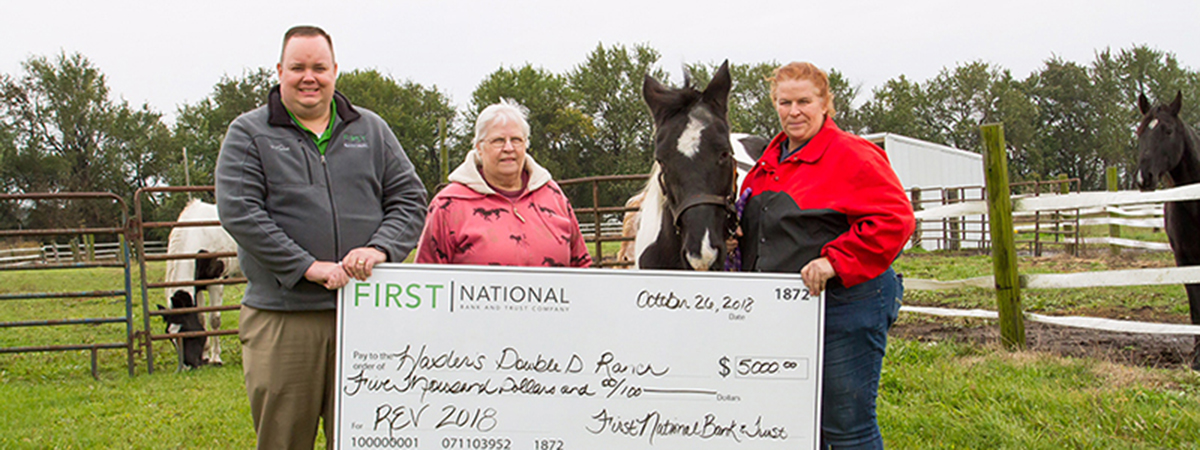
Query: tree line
[{"x": 62, "y": 130}]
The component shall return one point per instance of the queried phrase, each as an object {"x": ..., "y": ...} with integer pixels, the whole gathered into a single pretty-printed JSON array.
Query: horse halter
[{"x": 727, "y": 202}]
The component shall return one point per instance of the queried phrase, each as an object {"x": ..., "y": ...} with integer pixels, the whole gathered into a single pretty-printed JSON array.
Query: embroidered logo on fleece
[{"x": 355, "y": 141}]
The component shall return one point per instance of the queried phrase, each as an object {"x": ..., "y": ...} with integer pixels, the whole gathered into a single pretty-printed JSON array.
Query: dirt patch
[
  {"x": 1139, "y": 314},
  {"x": 1095, "y": 260},
  {"x": 1145, "y": 350}
]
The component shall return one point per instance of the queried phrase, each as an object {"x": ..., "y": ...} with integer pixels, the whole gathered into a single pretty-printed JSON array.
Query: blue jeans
[{"x": 857, "y": 320}]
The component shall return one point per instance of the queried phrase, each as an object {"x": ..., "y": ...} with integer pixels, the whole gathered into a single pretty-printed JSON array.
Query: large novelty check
[{"x": 505, "y": 358}]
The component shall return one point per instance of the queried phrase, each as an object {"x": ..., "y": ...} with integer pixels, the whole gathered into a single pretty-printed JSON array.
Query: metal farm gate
[
  {"x": 83, "y": 257},
  {"x": 600, "y": 224},
  {"x": 601, "y": 228},
  {"x": 138, "y": 228}
]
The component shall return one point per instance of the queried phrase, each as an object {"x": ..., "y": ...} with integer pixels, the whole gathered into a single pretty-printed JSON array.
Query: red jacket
[{"x": 836, "y": 197}]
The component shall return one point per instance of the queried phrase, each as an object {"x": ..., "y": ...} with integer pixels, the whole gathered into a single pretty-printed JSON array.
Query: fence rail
[
  {"x": 1068, "y": 201},
  {"x": 49, "y": 254},
  {"x": 602, "y": 228},
  {"x": 81, "y": 259},
  {"x": 1039, "y": 221},
  {"x": 957, "y": 215},
  {"x": 1007, "y": 282},
  {"x": 1094, "y": 323}
]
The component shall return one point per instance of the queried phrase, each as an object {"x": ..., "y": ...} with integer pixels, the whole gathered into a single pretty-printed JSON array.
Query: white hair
[{"x": 499, "y": 114}]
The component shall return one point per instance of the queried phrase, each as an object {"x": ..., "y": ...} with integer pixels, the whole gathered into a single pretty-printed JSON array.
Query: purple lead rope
[{"x": 734, "y": 262}]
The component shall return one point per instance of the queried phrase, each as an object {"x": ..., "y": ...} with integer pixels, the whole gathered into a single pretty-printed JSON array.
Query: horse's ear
[
  {"x": 1176, "y": 104},
  {"x": 1143, "y": 104},
  {"x": 717, "y": 91},
  {"x": 655, "y": 95}
]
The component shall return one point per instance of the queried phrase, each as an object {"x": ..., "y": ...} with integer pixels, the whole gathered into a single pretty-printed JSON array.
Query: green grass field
[{"x": 933, "y": 395}]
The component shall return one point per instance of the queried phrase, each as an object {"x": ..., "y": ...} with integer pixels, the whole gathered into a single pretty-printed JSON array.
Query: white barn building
[
  {"x": 938, "y": 171},
  {"x": 925, "y": 165}
]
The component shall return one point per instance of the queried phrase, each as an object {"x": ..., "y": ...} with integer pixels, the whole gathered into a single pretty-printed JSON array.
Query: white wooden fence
[
  {"x": 1100, "y": 201},
  {"x": 1135, "y": 216},
  {"x": 64, "y": 253},
  {"x": 611, "y": 226}
]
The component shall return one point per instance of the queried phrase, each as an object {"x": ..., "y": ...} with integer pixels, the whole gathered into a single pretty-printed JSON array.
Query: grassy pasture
[{"x": 933, "y": 395}]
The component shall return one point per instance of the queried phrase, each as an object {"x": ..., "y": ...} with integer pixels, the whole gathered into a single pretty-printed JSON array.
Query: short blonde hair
[{"x": 804, "y": 71}]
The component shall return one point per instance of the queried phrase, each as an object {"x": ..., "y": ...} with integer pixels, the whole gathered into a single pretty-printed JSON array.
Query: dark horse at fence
[
  {"x": 1169, "y": 150},
  {"x": 687, "y": 212}
]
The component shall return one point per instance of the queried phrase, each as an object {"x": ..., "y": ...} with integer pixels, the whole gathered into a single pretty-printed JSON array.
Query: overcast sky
[{"x": 168, "y": 53}]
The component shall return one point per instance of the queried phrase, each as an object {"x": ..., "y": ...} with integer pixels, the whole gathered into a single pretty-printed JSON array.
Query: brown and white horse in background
[{"x": 191, "y": 240}]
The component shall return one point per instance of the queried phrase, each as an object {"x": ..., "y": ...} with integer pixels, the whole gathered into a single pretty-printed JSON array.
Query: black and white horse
[
  {"x": 1169, "y": 150},
  {"x": 687, "y": 209},
  {"x": 191, "y": 240}
]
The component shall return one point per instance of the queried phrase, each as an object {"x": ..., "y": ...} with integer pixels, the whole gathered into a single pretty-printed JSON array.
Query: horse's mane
[
  {"x": 653, "y": 206},
  {"x": 675, "y": 101}
]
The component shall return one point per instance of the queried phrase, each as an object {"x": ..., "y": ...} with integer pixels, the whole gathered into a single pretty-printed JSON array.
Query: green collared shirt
[{"x": 322, "y": 141}]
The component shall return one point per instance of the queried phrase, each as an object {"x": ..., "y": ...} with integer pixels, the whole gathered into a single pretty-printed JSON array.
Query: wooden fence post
[
  {"x": 1037, "y": 221},
  {"x": 955, "y": 238},
  {"x": 76, "y": 249},
  {"x": 121, "y": 248},
  {"x": 1064, "y": 187},
  {"x": 89, "y": 241},
  {"x": 1004, "y": 251},
  {"x": 916, "y": 205},
  {"x": 1114, "y": 230},
  {"x": 443, "y": 152}
]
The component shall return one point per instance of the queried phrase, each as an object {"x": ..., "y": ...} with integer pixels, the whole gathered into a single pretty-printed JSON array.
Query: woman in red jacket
[{"x": 826, "y": 204}]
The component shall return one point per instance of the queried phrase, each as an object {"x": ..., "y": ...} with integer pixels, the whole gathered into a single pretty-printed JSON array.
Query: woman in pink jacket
[{"x": 501, "y": 207}]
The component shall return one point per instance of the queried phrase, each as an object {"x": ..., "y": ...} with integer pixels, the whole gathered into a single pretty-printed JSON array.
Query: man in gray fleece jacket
[{"x": 315, "y": 191}]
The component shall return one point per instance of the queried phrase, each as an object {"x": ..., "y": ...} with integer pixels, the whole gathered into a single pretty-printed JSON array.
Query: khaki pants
[{"x": 289, "y": 363}]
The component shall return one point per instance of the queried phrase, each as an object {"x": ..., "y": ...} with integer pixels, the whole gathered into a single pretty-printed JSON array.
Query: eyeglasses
[{"x": 498, "y": 142}]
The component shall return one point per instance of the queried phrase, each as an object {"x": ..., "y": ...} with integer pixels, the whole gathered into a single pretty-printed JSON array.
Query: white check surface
[{"x": 498, "y": 358}]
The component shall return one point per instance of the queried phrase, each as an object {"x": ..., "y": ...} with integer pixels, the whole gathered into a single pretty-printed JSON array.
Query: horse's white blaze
[
  {"x": 708, "y": 254},
  {"x": 689, "y": 140},
  {"x": 651, "y": 213},
  {"x": 1153, "y": 123}
]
